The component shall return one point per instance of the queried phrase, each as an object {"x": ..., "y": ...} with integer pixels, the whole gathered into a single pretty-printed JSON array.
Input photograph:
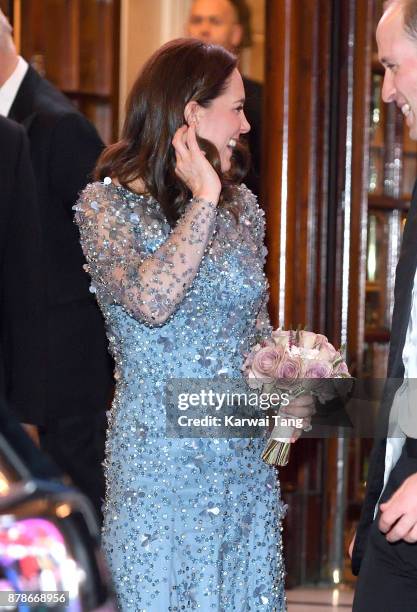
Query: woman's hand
[
  {"x": 193, "y": 168},
  {"x": 302, "y": 407}
]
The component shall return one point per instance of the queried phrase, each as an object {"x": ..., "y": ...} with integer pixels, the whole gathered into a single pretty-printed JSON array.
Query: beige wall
[
  {"x": 147, "y": 24},
  {"x": 253, "y": 59}
]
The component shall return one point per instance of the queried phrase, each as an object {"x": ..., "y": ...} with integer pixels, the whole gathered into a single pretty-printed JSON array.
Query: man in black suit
[
  {"x": 385, "y": 547},
  {"x": 22, "y": 357},
  {"x": 64, "y": 148},
  {"x": 227, "y": 23}
]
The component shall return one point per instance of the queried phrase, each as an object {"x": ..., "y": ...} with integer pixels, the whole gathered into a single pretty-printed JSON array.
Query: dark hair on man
[
  {"x": 181, "y": 71},
  {"x": 244, "y": 19}
]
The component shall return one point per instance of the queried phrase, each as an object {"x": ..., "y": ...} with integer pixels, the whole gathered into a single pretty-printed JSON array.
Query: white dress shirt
[
  {"x": 401, "y": 402},
  {"x": 9, "y": 89}
]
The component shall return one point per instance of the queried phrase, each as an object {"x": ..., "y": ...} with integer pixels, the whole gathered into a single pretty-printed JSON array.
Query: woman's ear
[{"x": 192, "y": 113}]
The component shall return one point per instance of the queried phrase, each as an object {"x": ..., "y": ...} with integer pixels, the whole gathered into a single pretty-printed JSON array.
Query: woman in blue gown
[{"x": 175, "y": 250}]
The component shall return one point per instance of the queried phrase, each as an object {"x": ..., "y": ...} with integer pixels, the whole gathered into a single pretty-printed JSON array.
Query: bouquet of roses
[{"x": 296, "y": 362}]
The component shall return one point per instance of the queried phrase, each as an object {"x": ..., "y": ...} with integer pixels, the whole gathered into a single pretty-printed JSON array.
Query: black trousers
[
  {"x": 387, "y": 579},
  {"x": 76, "y": 444}
]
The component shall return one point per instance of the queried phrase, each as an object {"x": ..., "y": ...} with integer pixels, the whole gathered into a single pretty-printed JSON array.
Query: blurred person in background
[
  {"x": 78, "y": 384},
  {"x": 228, "y": 23}
]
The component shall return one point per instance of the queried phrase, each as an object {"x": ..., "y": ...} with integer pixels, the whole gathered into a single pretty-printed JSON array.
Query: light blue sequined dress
[{"x": 190, "y": 524}]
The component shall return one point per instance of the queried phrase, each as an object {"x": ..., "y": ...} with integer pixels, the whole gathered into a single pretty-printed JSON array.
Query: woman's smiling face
[{"x": 224, "y": 120}]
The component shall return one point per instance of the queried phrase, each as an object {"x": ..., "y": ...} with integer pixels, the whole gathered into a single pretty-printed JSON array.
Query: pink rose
[
  {"x": 266, "y": 362},
  {"x": 316, "y": 368},
  {"x": 289, "y": 368},
  {"x": 281, "y": 337},
  {"x": 318, "y": 373}
]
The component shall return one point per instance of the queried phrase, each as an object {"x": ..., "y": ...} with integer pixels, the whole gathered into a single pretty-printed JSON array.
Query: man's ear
[{"x": 192, "y": 113}]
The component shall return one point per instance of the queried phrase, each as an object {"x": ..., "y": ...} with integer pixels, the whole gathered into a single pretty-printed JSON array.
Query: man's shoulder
[
  {"x": 55, "y": 119},
  {"x": 49, "y": 119},
  {"x": 51, "y": 107},
  {"x": 39, "y": 99},
  {"x": 50, "y": 100}
]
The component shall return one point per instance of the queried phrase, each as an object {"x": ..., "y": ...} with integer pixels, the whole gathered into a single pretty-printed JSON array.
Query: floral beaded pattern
[{"x": 190, "y": 524}]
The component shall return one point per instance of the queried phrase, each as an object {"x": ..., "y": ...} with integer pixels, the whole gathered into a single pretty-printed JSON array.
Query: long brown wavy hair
[{"x": 180, "y": 71}]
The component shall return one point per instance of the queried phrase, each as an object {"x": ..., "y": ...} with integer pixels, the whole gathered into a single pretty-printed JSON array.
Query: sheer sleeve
[{"x": 117, "y": 235}]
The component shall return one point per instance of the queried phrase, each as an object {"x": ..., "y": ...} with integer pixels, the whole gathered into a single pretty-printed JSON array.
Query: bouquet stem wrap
[{"x": 277, "y": 452}]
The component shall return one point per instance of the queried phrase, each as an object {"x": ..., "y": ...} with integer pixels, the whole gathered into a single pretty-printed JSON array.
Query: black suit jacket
[
  {"x": 404, "y": 281},
  {"x": 37, "y": 463},
  {"x": 253, "y": 112},
  {"x": 64, "y": 148},
  {"x": 22, "y": 358}
]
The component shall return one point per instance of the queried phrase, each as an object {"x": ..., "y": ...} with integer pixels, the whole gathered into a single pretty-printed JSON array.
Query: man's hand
[
  {"x": 399, "y": 514},
  {"x": 32, "y": 432},
  {"x": 351, "y": 545}
]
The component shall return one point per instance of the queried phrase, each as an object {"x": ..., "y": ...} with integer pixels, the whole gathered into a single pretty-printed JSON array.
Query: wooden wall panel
[
  {"x": 296, "y": 153},
  {"x": 360, "y": 170},
  {"x": 296, "y": 159},
  {"x": 316, "y": 166},
  {"x": 75, "y": 45},
  {"x": 97, "y": 59},
  {"x": 348, "y": 170},
  {"x": 307, "y": 180}
]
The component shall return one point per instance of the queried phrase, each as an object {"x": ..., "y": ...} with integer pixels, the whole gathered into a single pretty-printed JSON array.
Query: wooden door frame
[{"x": 317, "y": 91}]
